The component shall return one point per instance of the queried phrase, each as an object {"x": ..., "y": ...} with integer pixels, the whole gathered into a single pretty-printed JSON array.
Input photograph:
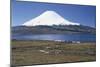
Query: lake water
[{"x": 63, "y": 37}]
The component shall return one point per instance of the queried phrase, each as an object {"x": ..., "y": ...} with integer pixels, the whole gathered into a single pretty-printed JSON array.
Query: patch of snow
[{"x": 44, "y": 51}]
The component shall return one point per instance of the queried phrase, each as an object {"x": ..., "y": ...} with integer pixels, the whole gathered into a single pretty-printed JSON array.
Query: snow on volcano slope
[{"x": 49, "y": 18}]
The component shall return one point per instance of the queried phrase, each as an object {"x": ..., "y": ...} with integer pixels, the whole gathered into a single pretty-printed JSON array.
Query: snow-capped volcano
[{"x": 49, "y": 18}]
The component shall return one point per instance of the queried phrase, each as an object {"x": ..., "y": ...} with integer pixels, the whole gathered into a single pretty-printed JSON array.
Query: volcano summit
[{"x": 49, "y": 18}]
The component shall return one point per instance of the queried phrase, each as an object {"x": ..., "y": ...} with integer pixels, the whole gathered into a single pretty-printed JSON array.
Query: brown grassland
[{"x": 45, "y": 52}]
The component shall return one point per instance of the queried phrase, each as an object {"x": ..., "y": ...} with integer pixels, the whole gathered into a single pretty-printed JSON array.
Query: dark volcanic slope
[{"x": 65, "y": 29}]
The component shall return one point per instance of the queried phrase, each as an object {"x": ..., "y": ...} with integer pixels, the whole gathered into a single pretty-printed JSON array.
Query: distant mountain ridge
[{"x": 55, "y": 29}]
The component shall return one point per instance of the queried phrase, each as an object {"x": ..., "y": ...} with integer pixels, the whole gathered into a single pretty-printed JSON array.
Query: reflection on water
[{"x": 65, "y": 37}]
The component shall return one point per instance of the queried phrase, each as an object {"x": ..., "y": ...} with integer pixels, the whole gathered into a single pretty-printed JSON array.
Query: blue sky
[{"x": 24, "y": 11}]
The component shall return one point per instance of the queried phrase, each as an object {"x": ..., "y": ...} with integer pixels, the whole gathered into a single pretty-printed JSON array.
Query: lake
[{"x": 63, "y": 37}]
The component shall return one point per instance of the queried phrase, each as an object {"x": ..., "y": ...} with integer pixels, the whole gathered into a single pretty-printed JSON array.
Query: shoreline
[{"x": 66, "y": 41}]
